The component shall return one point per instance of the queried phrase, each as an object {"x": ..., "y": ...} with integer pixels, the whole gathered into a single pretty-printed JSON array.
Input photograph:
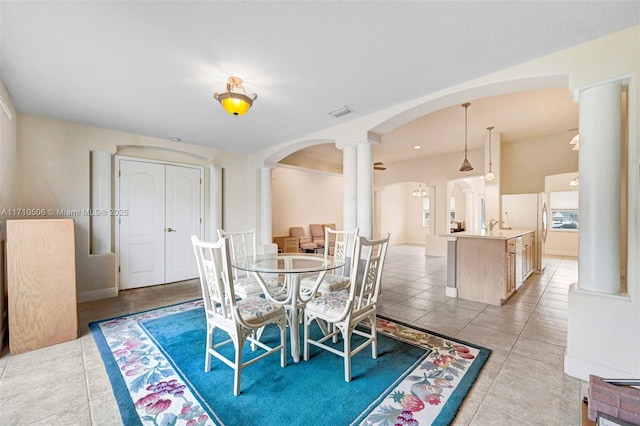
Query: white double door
[{"x": 162, "y": 208}]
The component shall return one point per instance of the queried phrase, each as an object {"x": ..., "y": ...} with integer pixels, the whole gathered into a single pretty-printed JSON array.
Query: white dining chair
[
  {"x": 243, "y": 244},
  {"x": 238, "y": 318},
  {"x": 344, "y": 244},
  {"x": 345, "y": 309}
]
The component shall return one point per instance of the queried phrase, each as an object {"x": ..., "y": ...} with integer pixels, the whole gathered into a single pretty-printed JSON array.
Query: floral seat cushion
[
  {"x": 249, "y": 286},
  {"x": 329, "y": 283},
  {"x": 256, "y": 309},
  {"x": 330, "y": 304}
]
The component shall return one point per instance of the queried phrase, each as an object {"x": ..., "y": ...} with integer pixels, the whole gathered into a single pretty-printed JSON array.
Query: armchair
[
  {"x": 317, "y": 234},
  {"x": 305, "y": 242}
]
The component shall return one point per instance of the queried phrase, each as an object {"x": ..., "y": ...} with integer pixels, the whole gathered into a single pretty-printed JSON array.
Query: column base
[{"x": 451, "y": 292}]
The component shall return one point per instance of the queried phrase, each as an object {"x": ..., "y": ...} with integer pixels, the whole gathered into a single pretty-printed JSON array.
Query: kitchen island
[{"x": 488, "y": 266}]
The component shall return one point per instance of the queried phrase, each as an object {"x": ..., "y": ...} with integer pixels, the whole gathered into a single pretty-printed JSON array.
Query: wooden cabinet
[
  {"x": 41, "y": 277},
  {"x": 287, "y": 244},
  {"x": 528, "y": 254},
  {"x": 484, "y": 270},
  {"x": 489, "y": 266}
]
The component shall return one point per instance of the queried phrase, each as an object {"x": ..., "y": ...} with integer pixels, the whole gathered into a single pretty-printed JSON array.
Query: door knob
[{"x": 171, "y": 230}]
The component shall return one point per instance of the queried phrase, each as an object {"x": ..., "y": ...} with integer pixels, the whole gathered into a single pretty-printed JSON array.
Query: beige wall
[
  {"x": 8, "y": 148},
  {"x": 53, "y": 173},
  {"x": 8, "y": 143},
  {"x": 392, "y": 210},
  {"x": 524, "y": 164},
  {"x": 301, "y": 197}
]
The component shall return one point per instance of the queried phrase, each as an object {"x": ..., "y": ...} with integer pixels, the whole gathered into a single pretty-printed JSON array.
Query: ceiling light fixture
[
  {"x": 235, "y": 100},
  {"x": 466, "y": 165},
  {"x": 575, "y": 181},
  {"x": 490, "y": 175},
  {"x": 420, "y": 192}
]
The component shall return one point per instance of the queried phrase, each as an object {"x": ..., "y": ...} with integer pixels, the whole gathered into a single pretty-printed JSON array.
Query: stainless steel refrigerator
[{"x": 529, "y": 211}]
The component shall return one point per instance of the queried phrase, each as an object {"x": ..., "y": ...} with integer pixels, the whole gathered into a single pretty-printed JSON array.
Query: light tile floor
[{"x": 522, "y": 383}]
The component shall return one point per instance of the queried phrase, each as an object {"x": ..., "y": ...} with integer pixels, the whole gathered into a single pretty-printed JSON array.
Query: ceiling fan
[{"x": 379, "y": 166}]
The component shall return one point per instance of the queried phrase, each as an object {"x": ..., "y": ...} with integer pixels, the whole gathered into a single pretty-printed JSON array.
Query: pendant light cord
[{"x": 466, "y": 150}]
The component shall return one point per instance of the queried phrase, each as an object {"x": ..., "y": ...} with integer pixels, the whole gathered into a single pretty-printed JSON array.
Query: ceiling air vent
[{"x": 343, "y": 110}]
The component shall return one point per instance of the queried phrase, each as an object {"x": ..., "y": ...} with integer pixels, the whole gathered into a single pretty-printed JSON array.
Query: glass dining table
[{"x": 292, "y": 295}]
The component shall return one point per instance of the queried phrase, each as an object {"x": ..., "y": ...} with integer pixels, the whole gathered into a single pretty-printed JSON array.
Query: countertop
[{"x": 497, "y": 234}]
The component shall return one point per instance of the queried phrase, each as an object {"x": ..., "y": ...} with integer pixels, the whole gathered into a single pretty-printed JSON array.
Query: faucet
[{"x": 493, "y": 223}]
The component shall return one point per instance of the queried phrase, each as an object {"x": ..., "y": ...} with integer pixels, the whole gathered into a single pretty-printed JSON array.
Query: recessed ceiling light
[
  {"x": 417, "y": 147},
  {"x": 174, "y": 139}
]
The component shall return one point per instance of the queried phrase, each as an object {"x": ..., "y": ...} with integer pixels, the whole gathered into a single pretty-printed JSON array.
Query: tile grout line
[{"x": 86, "y": 381}]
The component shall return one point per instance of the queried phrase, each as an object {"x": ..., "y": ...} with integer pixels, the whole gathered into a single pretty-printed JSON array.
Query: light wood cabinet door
[
  {"x": 510, "y": 272},
  {"x": 528, "y": 254}
]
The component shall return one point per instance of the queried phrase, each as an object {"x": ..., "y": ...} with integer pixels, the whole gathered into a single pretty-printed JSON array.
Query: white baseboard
[
  {"x": 451, "y": 291},
  {"x": 88, "y": 296},
  {"x": 581, "y": 369}
]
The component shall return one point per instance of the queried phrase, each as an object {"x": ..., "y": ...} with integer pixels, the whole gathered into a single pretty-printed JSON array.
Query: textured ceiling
[{"x": 151, "y": 67}]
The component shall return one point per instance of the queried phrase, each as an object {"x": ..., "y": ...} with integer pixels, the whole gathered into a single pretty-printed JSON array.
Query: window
[
  {"x": 565, "y": 219},
  {"x": 565, "y": 215}
]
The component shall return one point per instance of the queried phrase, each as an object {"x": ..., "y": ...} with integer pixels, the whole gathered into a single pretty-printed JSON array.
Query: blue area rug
[{"x": 155, "y": 362}]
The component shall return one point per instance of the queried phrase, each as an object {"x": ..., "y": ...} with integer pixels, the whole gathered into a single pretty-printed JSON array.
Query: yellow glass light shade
[
  {"x": 234, "y": 100},
  {"x": 490, "y": 176},
  {"x": 235, "y": 103}
]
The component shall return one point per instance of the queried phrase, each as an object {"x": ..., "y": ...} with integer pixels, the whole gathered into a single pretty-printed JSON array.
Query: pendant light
[
  {"x": 466, "y": 165},
  {"x": 235, "y": 100},
  {"x": 420, "y": 192},
  {"x": 490, "y": 175}
]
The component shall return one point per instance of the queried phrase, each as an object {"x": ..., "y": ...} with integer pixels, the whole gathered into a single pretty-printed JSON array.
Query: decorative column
[
  {"x": 215, "y": 201},
  {"x": 266, "y": 222},
  {"x": 364, "y": 170},
  {"x": 100, "y": 224},
  {"x": 349, "y": 181},
  {"x": 599, "y": 170}
]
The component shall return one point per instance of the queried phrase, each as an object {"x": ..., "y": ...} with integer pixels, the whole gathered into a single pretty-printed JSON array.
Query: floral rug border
[{"x": 152, "y": 391}]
